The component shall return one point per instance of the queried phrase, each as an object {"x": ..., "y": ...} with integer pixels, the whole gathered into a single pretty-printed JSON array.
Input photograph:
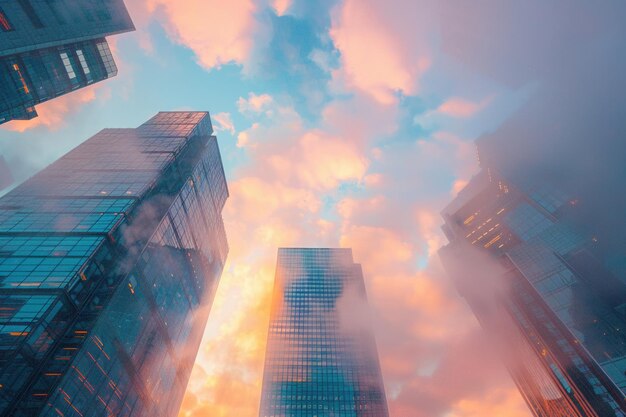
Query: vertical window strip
[
  {"x": 24, "y": 87},
  {"x": 83, "y": 62},
  {"x": 68, "y": 66}
]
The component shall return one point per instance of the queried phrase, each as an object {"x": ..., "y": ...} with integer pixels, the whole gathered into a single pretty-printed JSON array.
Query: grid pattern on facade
[
  {"x": 104, "y": 295},
  {"x": 52, "y": 47},
  {"x": 44, "y": 23},
  {"x": 317, "y": 364},
  {"x": 568, "y": 306}
]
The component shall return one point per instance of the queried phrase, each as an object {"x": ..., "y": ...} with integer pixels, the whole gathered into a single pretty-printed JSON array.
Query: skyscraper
[
  {"x": 109, "y": 261},
  {"x": 321, "y": 357},
  {"x": 541, "y": 285},
  {"x": 52, "y": 47}
]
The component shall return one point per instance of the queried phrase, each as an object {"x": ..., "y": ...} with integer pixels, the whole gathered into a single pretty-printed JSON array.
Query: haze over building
[
  {"x": 109, "y": 261},
  {"x": 547, "y": 290},
  {"x": 53, "y": 47},
  {"x": 321, "y": 357},
  {"x": 6, "y": 176}
]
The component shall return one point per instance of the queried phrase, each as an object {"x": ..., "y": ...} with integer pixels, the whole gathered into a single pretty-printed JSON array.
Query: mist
[{"x": 571, "y": 132}]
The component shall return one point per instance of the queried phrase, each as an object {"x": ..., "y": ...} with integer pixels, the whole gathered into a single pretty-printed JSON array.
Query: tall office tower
[
  {"x": 541, "y": 285},
  {"x": 109, "y": 260},
  {"x": 321, "y": 357},
  {"x": 52, "y": 47}
]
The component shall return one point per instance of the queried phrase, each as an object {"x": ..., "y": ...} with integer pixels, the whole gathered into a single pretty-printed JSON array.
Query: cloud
[
  {"x": 217, "y": 32},
  {"x": 356, "y": 173},
  {"x": 281, "y": 6},
  {"x": 498, "y": 401},
  {"x": 255, "y": 103},
  {"x": 424, "y": 331},
  {"x": 352, "y": 174},
  {"x": 223, "y": 122},
  {"x": 53, "y": 113},
  {"x": 380, "y": 53},
  {"x": 316, "y": 159},
  {"x": 459, "y": 107},
  {"x": 327, "y": 161}
]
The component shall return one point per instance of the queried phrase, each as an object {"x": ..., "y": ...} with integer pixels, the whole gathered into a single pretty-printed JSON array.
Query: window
[
  {"x": 68, "y": 66},
  {"x": 22, "y": 81},
  {"x": 83, "y": 63},
  {"x": 4, "y": 22},
  {"x": 107, "y": 58},
  {"x": 30, "y": 12}
]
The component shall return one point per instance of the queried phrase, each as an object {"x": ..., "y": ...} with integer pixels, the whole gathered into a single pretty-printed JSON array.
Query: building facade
[
  {"x": 542, "y": 287},
  {"x": 321, "y": 357},
  {"x": 109, "y": 261},
  {"x": 52, "y": 47}
]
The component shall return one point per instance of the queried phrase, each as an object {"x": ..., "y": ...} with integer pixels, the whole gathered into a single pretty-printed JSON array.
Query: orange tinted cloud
[
  {"x": 311, "y": 159},
  {"x": 376, "y": 58},
  {"x": 499, "y": 402},
  {"x": 53, "y": 113},
  {"x": 327, "y": 161},
  {"x": 434, "y": 358},
  {"x": 217, "y": 32},
  {"x": 281, "y": 6},
  {"x": 230, "y": 359},
  {"x": 459, "y": 107},
  {"x": 254, "y": 103},
  {"x": 223, "y": 122}
]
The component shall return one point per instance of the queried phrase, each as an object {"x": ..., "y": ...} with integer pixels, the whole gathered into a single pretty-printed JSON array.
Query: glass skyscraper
[
  {"x": 109, "y": 261},
  {"x": 321, "y": 357},
  {"x": 543, "y": 287},
  {"x": 52, "y": 47}
]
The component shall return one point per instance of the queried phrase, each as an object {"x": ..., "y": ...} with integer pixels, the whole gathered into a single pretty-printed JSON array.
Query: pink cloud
[
  {"x": 281, "y": 6},
  {"x": 498, "y": 401},
  {"x": 381, "y": 51},
  {"x": 53, "y": 114},
  {"x": 436, "y": 362},
  {"x": 459, "y": 107},
  {"x": 349, "y": 207},
  {"x": 254, "y": 103},
  {"x": 318, "y": 161},
  {"x": 426, "y": 335},
  {"x": 223, "y": 122},
  {"x": 374, "y": 180},
  {"x": 458, "y": 186},
  {"x": 217, "y": 32}
]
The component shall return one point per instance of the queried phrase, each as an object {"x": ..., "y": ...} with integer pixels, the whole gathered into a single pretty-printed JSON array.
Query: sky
[{"x": 341, "y": 123}]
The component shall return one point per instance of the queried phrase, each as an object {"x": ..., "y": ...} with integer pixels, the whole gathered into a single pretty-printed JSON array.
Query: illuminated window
[
  {"x": 24, "y": 86},
  {"x": 68, "y": 66},
  {"x": 4, "y": 22},
  {"x": 83, "y": 62}
]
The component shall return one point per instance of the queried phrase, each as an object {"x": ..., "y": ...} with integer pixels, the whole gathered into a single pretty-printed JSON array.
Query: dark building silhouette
[
  {"x": 321, "y": 357},
  {"x": 109, "y": 261},
  {"x": 52, "y": 47}
]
